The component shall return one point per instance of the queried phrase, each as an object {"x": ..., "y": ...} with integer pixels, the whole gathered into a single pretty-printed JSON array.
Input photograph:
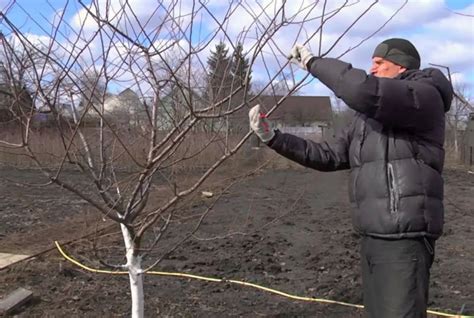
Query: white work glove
[
  {"x": 260, "y": 124},
  {"x": 300, "y": 56}
]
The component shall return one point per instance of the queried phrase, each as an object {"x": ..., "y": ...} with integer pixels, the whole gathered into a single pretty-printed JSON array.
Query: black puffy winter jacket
[{"x": 394, "y": 148}]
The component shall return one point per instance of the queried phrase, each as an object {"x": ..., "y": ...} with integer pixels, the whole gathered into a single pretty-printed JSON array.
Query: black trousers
[{"x": 395, "y": 276}]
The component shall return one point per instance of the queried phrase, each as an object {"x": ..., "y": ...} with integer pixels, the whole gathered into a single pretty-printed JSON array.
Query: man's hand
[
  {"x": 300, "y": 56},
  {"x": 260, "y": 124}
]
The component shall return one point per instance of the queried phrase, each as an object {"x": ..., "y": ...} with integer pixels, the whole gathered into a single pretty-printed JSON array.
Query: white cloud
[
  {"x": 454, "y": 54},
  {"x": 450, "y": 41},
  {"x": 83, "y": 20},
  {"x": 458, "y": 79},
  {"x": 453, "y": 25},
  {"x": 37, "y": 40}
]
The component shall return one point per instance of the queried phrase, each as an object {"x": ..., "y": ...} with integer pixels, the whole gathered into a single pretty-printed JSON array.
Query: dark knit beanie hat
[{"x": 399, "y": 51}]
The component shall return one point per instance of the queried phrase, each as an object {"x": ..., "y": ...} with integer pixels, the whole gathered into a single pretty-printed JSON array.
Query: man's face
[{"x": 384, "y": 68}]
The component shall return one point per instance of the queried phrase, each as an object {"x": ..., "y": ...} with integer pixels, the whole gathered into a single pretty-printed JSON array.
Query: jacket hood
[{"x": 437, "y": 78}]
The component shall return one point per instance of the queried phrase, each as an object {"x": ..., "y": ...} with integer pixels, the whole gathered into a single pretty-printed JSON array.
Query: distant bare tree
[
  {"x": 457, "y": 116},
  {"x": 279, "y": 86},
  {"x": 160, "y": 55}
]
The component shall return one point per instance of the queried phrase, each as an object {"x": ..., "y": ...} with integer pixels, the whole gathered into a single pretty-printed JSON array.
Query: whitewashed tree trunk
[
  {"x": 135, "y": 275},
  {"x": 456, "y": 143}
]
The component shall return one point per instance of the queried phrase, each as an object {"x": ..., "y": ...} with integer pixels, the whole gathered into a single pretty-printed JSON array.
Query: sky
[{"x": 442, "y": 30}]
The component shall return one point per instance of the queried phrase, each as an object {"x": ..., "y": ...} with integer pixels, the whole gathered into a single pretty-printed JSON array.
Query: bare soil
[{"x": 286, "y": 229}]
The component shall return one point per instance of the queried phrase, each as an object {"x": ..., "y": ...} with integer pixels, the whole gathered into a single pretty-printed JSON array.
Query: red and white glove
[{"x": 260, "y": 124}]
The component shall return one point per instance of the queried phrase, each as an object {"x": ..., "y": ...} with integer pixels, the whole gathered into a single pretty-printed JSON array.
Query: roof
[
  {"x": 298, "y": 109},
  {"x": 127, "y": 101}
]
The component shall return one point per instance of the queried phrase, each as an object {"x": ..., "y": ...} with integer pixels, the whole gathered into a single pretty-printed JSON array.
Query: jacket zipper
[
  {"x": 361, "y": 144},
  {"x": 392, "y": 187}
]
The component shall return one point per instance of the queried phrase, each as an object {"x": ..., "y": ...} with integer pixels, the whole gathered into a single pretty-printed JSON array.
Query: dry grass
[
  {"x": 196, "y": 153},
  {"x": 125, "y": 150}
]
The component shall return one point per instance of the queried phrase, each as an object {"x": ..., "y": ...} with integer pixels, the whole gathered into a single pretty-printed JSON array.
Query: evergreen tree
[
  {"x": 219, "y": 74},
  {"x": 240, "y": 66},
  {"x": 226, "y": 74}
]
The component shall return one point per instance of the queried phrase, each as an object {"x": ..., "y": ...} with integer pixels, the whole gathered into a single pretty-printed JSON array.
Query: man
[{"x": 394, "y": 148}]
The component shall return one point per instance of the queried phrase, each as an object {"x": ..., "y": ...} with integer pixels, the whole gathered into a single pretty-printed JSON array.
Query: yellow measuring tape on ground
[{"x": 237, "y": 282}]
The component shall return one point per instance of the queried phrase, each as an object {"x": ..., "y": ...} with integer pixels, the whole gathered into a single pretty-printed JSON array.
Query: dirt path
[{"x": 289, "y": 230}]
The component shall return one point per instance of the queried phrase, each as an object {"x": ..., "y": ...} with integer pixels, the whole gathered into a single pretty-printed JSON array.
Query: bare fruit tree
[{"x": 127, "y": 97}]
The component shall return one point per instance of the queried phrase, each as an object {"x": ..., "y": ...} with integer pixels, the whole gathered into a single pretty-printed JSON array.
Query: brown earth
[{"x": 284, "y": 229}]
